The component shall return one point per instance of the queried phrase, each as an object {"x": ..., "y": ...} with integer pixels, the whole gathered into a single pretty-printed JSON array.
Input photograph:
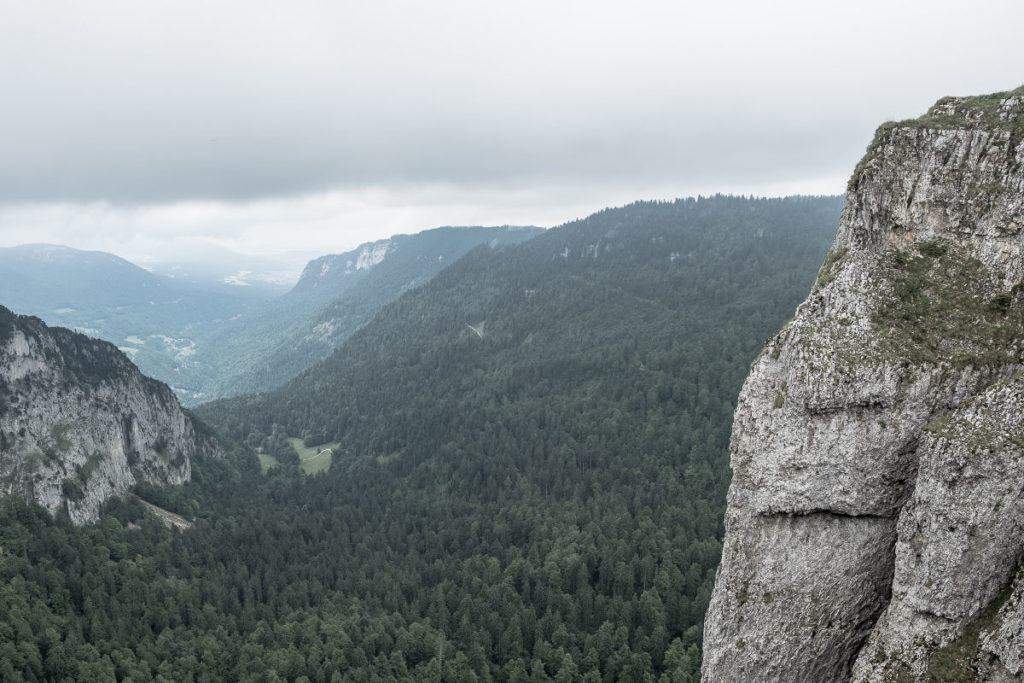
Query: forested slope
[
  {"x": 529, "y": 484},
  {"x": 336, "y": 295}
]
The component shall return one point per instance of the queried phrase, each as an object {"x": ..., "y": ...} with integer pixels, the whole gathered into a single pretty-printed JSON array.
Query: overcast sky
[{"x": 153, "y": 128}]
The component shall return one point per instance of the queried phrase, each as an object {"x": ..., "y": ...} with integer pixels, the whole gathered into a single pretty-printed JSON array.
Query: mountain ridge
[
  {"x": 209, "y": 338},
  {"x": 336, "y": 294}
]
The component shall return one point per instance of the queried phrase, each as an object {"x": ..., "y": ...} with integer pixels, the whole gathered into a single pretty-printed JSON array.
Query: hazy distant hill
[
  {"x": 275, "y": 272},
  {"x": 159, "y": 321},
  {"x": 207, "y": 338},
  {"x": 335, "y": 296}
]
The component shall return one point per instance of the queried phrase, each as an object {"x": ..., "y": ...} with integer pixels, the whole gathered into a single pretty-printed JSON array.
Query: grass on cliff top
[
  {"x": 980, "y": 112},
  {"x": 941, "y": 309}
]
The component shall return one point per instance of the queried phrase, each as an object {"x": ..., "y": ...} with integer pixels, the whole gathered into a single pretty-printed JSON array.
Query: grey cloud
[{"x": 127, "y": 102}]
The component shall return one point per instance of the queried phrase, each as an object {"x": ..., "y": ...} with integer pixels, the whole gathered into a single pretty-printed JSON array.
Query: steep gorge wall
[
  {"x": 876, "y": 509},
  {"x": 79, "y": 423}
]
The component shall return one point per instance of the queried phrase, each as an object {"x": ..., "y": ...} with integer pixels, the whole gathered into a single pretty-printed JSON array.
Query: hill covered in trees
[
  {"x": 528, "y": 482},
  {"x": 336, "y": 295}
]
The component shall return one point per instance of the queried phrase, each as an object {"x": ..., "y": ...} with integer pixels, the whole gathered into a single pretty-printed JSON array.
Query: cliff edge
[
  {"x": 79, "y": 423},
  {"x": 875, "y": 520}
]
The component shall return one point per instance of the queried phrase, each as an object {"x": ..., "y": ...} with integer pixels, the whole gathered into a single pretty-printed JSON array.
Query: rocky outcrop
[
  {"x": 79, "y": 423},
  {"x": 875, "y": 520}
]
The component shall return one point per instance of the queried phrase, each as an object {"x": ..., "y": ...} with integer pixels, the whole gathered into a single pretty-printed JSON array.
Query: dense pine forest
[
  {"x": 530, "y": 461},
  {"x": 335, "y": 296}
]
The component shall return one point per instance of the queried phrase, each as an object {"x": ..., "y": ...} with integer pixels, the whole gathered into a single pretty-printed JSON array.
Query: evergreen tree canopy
[{"x": 529, "y": 480}]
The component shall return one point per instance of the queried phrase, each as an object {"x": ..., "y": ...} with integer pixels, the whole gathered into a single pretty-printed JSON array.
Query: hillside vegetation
[
  {"x": 336, "y": 295},
  {"x": 528, "y": 485}
]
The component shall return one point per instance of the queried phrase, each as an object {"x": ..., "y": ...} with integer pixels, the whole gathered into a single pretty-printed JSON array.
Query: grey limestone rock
[
  {"x": 876, "y": 507},
  {"x": 79, "y": 423}
]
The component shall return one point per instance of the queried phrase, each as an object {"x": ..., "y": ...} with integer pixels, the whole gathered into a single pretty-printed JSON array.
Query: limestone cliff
[
  {"x": 79, "y": 422},
  {"x": 875, "y": 521}
]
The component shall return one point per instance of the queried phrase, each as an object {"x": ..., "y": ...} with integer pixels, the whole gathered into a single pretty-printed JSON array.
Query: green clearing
[
  {"x": 266, "y": 462},
  {"x": 313, "y": 459}
]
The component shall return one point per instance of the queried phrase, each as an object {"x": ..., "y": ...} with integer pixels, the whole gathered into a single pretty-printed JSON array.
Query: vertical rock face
[
  {"x": 79, "y": 422},
  {"x": 875, "y": 520}
]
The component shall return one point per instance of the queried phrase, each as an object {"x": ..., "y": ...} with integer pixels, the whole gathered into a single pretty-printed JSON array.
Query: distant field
[
  {"x": 266, "y": 462},
  {"x": 313, "y": 459}
]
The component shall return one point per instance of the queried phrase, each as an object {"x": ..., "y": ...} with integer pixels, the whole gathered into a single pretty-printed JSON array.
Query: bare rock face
[
  {"x": 79, "y": 423},
  {"x": 875, "y": 520}
]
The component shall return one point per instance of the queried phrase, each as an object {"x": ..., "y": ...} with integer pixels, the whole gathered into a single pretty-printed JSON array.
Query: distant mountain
[
  {"x": 79, "y": 423},
  {"x": 160, "y": 322},
  {"x": 63, "y": 281},
  {"x": 336, "y": 295},
  {"x": 210, "y": 336}
]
